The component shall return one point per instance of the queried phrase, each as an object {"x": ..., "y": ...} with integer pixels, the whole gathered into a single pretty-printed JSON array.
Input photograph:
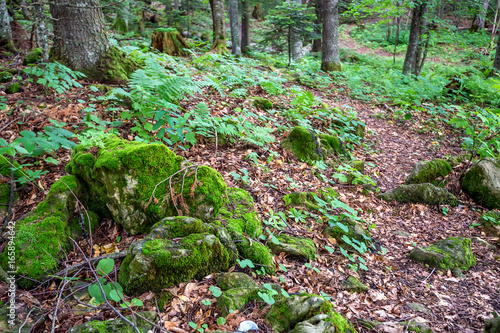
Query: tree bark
[
  {"x": 235, "y": 27},
  {"x": 219, "y": 42},
  {"x": 330, "y": 56},
  {"x": 411, "y": 51},
  {"x": 5, "y": 30},
  {"x": 496, "y": 62},
  {"x": 245, "y": 26},
  {"x": 318, "y": 8},
  {"x": 480, "y": 19},
  {"x": 42, "y": 29},
  {"x": 80, "y": 38},
  {"x": 296, "y": 41}
]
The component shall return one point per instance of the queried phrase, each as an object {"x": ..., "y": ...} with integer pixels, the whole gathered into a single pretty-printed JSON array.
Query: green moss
[
  {"x": 355, "y": 231},
  {"x": 119, "y": 325},
  {"x": 114, "y": 67},
  {"x": 328, "y": 193},
  {"x": 239, "y": 214},
  {"x": 5, "y": 167},
  {"x": 77, "y": 227},
  {"x": 303, "y": 199},
  {"x": 478, "y": 184},
  {"x": 256, "y": 252},
  {"x": 163, "y": 297},
  {"x": 236, "y": 280},
  {"x": 13, "y": 88},
  {"x": 120, "y": 24},
  {"x": 237, "y": 298},
  {"x": 5, "y": 77},
  {"x": 33, "y": 56},
  {"x": 307, "y": 148},
  {"x": 262, "y": 103},
  {"x": 426, "y": 172},
  {"x": 192, "y": 257},
  {"x": 490, "y": 220},
  {"x": 420, "y": 193},
  {"x": 300, "y": 248},
  {"x": 446, "y": 254}
]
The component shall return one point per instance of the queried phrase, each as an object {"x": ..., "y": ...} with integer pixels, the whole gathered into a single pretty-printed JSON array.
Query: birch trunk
[
  {"x": 480, "y": 19},
  {"x": 296, "y": 41}
]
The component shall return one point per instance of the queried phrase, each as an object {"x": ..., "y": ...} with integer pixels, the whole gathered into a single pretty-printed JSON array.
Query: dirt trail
[{"x": 347, "y": 42}]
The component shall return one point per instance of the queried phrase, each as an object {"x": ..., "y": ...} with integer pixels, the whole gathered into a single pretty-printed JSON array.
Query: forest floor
[{"x": 451, "y": 304}]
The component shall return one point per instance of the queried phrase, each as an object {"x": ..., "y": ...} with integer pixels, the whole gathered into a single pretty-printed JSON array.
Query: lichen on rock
[
  {"x": 428, "y": 171},
  {"x": 232, "y": 280},
  {"x": 420, "y": 193},
  {"x": 446, "y": 254},
  {"x": 482, "y": 182},
  {"x": 309, "y": 146},
  {"x": 302, "y": 249}
]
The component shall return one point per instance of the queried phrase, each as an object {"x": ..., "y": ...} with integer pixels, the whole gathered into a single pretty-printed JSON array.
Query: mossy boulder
[
  {"x": 79, "y": 224},
  {"x": 446, "y": 254},
  {"x": 482, "y": 182},
  {"x": 240, "y": 218},
  {"x": 491, "y": 223},
  {"x": 353, "y": 284},
  {"x": 309, "y": 146},
  {"x": 347, "y": 227},
  {"x": 236, "y": 280},
  {"x": 144, "y": 324},
  {"x": 286, "y": 313},
  {"x": 13, "y": 88},
  {"x": 307, "y": 200},
  {"x": 33, "y": 56},
  {"x": 5, "y": 77},
  {"x": 237, "y": 298},
  {"x": 492, "y": 325},
  {"x": 122, "y": 176},
  {"x": 420, "y": 193},
  {"x": 43, "y": 234},
  {"x": 302, "y": 249},
  {"x": 178, "y": 249},
  {"x": 262, "y": 103},
  {"x": 428, "y": 171}
]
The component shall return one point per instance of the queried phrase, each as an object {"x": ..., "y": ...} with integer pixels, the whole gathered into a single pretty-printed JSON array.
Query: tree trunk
[
  {"x": 418, "y": 64},
  {"x": 235, "y": 27},
  {"x": 5, "y": 30},
  {"x": 411, "y": 51},
  {"x": 318, "y": 8},
  {"x": 43, "y": 41},
  {"x": 245, "y": 26},
  {"x": 330, "y": 57},
  {"x": 219, "y": 43},
  {"x": 479, "y": 21},
  {"x": 496, "y": 62},
  {"x": 296, "y": 41},
  {"x": 169, "y": 41}
]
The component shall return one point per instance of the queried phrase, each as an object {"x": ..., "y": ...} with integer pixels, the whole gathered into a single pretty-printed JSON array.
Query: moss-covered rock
[
  {"x": 482, "y": 182},
  {"x": 420, "y": 193},
  {"x": 446, "y": 254},
  {"x": 13, "y": 88},
  {"x": 492, "y": 325},
  {"x": 302, "y": 249},
  {"x": 262, "y": 103},
  {"x": 350, "y": 228},
  {"x": 306, "y": 199},
  {"x": 308, "y": 146},
  {"x": 316, "y": 324},
  {"x": 491, "y": 223},
  {"x": 119, "y": 325},
  {"x": 350, "y": 125},
  {"x": 237, "y": 298},
  {"x": 428, "y": 171},
  {"x": 122, "y": 176},
  {"x": 236, "y": 280},
  {"x": 285, "y": 314},
  {"x": 354, "y": 285},
  {"x": 178, "y": 249},
  {"x": 258, "y": 253},
  {"x": 79, "y": 225},
  {"x": 33, "y": 56},
  {"x": 42, "y": 235},
  {"x": 5, "y": 77}
]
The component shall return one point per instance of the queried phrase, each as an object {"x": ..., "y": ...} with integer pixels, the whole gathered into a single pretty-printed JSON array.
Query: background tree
[
  {"x": 296, "y": 40},
  {"x": 480, "y": 18},
  {"x": 219, "y": 41},
  {"x": 5, "y": 30},
  {"x": 330, "y": 56},
  {"x": 496, "y": 61},
  {"x": 416, "y": 29},
  {"x": 245, "y": 25},
  {"x": 235, "y": 27},
  {"x": 318, "y": 9}
]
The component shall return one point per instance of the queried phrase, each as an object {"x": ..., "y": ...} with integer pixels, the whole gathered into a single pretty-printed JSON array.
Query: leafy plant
[{"x": 55, "y": 76}]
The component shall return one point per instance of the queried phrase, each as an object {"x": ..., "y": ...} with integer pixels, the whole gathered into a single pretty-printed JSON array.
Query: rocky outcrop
[
  {"x": 420, "y": 193},
  {"x": 428, "y": 172},
  {"x": 482, "y": 182},
  {"x": 450, "y": 253}
]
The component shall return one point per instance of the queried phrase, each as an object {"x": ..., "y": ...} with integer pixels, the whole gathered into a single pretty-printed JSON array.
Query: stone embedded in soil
[
  {"x": 482, "y": 182},
  {"x": 428, "y": 171},
  {"x": 236, "y": 280},
  {"x": 302, "y": 249},
  {"x": 309, "y": 146},
  {"x": 446, "y": 254},
  {"x": 354, "y": 285},
  {"x": 491, "y": 223},
  {"x": 420, "y": 193},
  {"x": 119, "y": 325}
]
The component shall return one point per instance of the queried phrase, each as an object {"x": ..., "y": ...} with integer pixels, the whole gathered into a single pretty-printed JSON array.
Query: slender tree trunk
[
  {"x": 398, "y": 30},
  {"x": 176, "y": 4},
  {"x": 245, "y": 26},
  {"x": 480, "y": 20},
  {"x": 318, "y": 8},
  {"x": 330, "y": 56},
  {"x": 5, "y": 30},
  {"x": 219, "y": 43},
  {"x": 41, "y": 25},
  {"x": 24, "y": 9},
  {"x": 296, "y": 41},
  {"x": 411, "y": 51},
  {"x": 235, "y": 27},
  {"x": 416, "y": 67},
  {"x": 496, "y": 62},
  {"x": 495, "y": 26}
]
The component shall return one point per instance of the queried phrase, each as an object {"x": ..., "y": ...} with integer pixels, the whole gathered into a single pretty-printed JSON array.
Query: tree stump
[{"x": 169, "y": 41}]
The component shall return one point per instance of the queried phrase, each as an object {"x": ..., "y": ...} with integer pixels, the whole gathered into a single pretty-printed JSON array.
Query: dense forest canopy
[{"x": 249, "y": 166}]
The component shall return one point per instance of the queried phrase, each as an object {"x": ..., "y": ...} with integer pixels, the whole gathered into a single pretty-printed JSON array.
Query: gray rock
[
  {"x": 118, "y": 325},
  {"x": 428, "y": 171},
  {"x": 353, "y": 284},
  {"x": 417, "y": 307},
  {"x": 482, "y": 182},
  {"x": 236, "y": 280},
  {"x": 420, "y": 193},
  {"x": 316, "y": 324},
  {"x": 302, "y": 249},
  {"x": 446, "y": 254}
]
